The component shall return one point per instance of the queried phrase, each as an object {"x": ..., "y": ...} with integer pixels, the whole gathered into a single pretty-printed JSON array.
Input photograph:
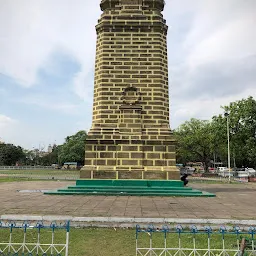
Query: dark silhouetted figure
[{"x": 184, "y": 179}]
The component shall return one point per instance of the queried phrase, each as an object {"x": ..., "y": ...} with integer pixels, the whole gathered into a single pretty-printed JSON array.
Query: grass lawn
[
  {"x": 16, "y": 175},
  {"x": 13, "y": 179},
  {"x": 213, "y": 181},
  {"x": 116, "y": 242},
  {"x": 39, "y": 172}
]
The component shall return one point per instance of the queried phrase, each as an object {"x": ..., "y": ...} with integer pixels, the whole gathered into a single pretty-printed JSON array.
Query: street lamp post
[{"x": 227, "y": 116}]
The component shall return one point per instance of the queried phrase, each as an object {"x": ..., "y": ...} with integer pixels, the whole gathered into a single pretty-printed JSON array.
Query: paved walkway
[{"x": 233, "y": 201}]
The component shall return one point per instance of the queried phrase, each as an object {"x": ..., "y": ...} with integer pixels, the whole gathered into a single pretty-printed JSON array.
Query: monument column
[{"x": 130, "y": 137}]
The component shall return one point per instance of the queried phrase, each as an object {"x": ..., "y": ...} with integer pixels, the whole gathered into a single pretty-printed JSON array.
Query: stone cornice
[
  {"x": 152, "y": 4},
  {"x": 151, "y": 26}
]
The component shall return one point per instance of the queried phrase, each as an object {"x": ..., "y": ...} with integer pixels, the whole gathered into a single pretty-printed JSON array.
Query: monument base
[
  {"x": 130, "y": 188},
  {"x": 137, "y": 174},
  {"x": 125, "y": 156}
]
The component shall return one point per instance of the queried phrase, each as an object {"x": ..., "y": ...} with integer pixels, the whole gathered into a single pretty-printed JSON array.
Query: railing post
[
  {"x": 223, "y": 231},
  {"x": 137, "y": 237},
  {"x": 166, "y": 230},
  {"x": 208, "y": 231},
  {"x": 150, "y": 230},
  {"x": 179, "y": 229},
  {"x": 25, "y": 226},
  {"x": 39, "y": 225},
  {"x": 53, "y": 226},
  {"x": 252, "y": 232},
  {"x": 194, "y": 231},
  {"x": 237, "y": 231},
  {"x": 11, "y": 225},
  {"x": 67, "y": 236}
]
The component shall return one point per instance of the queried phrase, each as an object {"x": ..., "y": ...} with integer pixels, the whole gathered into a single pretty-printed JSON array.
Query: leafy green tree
[
  {"x": 29, "y": 157},
  {"x": 51, "y": 158},
  {"x": 194, "y": 142},
  {"x": 202, "y": 141},
  {"x": 219, "y": 139},
  {"x": 10, "y": 154},
  {"x": 73, "y": 150},
  {"x": 242, "y": 124}
]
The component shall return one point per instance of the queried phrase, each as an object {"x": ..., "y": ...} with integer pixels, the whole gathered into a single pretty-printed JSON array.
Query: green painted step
[
  {"x": 130, "y": 188},
  {"x": 202, "y": 194},
  {"x": 135, "y": 183},
  {"x": 128, "y": 191}
]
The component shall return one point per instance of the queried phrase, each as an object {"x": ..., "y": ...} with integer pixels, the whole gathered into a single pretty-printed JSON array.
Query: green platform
[{"x": 130, "y": 188}]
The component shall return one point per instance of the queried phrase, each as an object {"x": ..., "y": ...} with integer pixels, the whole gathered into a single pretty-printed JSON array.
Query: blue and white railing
[
  {"x": 28, "y": 240},
  {"x": 194, "y": 242}
]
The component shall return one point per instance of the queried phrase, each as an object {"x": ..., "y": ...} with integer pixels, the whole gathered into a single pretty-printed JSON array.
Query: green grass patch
[
  {"x": 39, "y": 172},
  {"x": 21, "y": 179},
  {"x": 13, "y": 179},
  {"x": 213, "y": 181}
]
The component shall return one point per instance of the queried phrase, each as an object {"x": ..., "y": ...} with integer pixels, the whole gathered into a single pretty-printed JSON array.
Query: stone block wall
[{"x": 130, "y": 134}]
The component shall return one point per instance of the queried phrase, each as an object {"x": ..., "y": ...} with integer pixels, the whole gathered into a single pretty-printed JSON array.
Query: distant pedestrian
[{"x": 184, "y": 179}]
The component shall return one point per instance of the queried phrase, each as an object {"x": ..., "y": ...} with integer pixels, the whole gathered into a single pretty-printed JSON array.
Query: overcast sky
[{"x": 47, "y": 51}]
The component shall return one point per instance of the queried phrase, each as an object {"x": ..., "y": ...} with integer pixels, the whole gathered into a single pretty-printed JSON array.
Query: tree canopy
[
  {"x": 242, "y": 125},
  {"x": 73, "y": 150},
  {"x": 194, "y": 142},
  {"x": 204, "y": 141},
  {"x": 10, "y": 154}
]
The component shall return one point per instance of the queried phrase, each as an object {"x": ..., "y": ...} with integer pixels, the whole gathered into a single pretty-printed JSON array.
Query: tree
[
  {"x": 10, "y": 154},
  {"x": 51, "y": 158},
  {"x": 202, "y": 140},
  {"x": 242, "y": 126},
  {"x": 194, "y": 142},
  {"x": 73, "y": 150},
  {"x": 219, "y": 139}
]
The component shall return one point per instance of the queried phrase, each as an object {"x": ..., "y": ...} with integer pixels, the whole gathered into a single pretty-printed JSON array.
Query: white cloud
[
  {"x": 219, "y": 30},
  {"x": 5, "y": 121},
  {"x": 214, "y": 55},
  {"x": 234, "y": 41},
  {"x": 50, "y": 103},
  {"x": 83, "y": 87},
  {"x": 204, "y": 109},
  {"x": 32, "y": 30},
  {"x": 7, "y": 125}
]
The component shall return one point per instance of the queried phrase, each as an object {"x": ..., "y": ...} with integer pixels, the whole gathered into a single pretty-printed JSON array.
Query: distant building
[
  {"x": 50, "y": 148},
  {"x": 39, "y": 153}
]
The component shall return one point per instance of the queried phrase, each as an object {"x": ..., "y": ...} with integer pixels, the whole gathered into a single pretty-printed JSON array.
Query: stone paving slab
[{"x": 232, "y": 201}]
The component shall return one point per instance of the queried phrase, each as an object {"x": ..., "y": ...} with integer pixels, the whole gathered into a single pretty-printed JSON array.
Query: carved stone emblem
[{"x": 131, "y": 95}]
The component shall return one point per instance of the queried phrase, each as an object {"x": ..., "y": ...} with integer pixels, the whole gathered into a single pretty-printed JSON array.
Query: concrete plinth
[{"x": 133, "y": 174}]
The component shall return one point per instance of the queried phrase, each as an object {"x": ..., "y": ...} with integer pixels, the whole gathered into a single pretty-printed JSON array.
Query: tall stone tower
[{"x": 130, "y": 137}]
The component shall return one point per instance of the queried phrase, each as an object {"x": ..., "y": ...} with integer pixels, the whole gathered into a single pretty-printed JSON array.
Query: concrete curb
[{"x": 129, "y": 222}]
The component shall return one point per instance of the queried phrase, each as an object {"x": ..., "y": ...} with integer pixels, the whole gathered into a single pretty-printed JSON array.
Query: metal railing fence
[
  {"x": 29, "y": 240},
  {"x": 218, "y": 179},
  {"x": 194, "y": 242}
]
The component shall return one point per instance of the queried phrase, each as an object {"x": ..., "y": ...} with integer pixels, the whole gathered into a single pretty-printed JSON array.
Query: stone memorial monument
[{"x": 130, "y": 136}]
